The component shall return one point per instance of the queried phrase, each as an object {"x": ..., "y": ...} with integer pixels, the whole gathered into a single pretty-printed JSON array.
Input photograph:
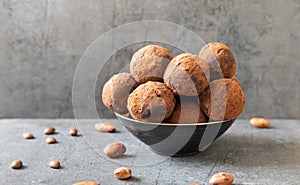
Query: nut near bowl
[{"x": 177, "y": 140}]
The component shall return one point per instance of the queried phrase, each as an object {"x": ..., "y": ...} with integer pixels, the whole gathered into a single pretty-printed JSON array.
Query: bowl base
[{"x": 176, "y": 140}]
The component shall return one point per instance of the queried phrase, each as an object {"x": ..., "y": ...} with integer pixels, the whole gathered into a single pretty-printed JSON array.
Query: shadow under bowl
[{"x": 175, "y": 139}]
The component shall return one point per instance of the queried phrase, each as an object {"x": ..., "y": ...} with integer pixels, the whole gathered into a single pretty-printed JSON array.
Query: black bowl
[{"x": 175, "y": 139}]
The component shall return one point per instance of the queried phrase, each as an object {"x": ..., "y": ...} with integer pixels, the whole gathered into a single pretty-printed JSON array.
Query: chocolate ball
[
  {"x": 221, "y": 60},
  {"x": 187, "y": 110},
  {"x": 223, "y": 100},
  {"x": 116, "y": 91},
  {"x": 151, "y": 102},
  {"x": 149, "y": 63},
  {"x": 187, "y": 75}
]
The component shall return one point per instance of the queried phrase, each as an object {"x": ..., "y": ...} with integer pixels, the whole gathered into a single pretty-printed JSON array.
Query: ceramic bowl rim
[{"x": 171, "y": 124}]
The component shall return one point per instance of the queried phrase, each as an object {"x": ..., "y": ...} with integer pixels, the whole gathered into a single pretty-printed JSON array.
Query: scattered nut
[
  {"x": 221, "y": 178},
  {"x": 51, "y": 140},
  {"x": 16, "y": 164},
  {"x": 49, "y": 130},
  {"x": 122, "y": 173},
  {"x": 86, "y": 183},
  {"x": 105, "y": 127},
  {"x": 73, "y": 132},
  {"x": 28, "y": 136},
  {"x": 54, "y": 164},
  {"x": 260, "y": 123},
  {"x": 115, "y": 149}
]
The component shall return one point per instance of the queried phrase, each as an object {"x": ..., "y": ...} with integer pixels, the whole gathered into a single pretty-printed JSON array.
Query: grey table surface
[{"x": 253, "y": 156}]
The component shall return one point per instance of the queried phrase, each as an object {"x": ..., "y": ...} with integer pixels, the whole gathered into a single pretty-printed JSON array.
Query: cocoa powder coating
[
  {"x": 151, "y": 102},
  {"x": 187, "y": 110},
  {"x": 221, "y": 60},
  {"x": 228, "y": 100},
  {"x": 149, "y": 63},
  {"x": 187, "y": 75},
  {"x": 116, "y": 91}
]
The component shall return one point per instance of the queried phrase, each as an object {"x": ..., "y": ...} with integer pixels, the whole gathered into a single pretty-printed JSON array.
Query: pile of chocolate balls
[{"x": 183, "y": 89}]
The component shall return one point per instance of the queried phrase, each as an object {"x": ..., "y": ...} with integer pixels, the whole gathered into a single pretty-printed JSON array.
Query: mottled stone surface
[
  {"x": 41, "y": 43},
  {"x": 251, "y": 155}
]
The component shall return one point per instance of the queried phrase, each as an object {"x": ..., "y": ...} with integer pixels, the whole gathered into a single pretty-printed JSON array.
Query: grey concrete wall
[{"x": 41, "y": 42}]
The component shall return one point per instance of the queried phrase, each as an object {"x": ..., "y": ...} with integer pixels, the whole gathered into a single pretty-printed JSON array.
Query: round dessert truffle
[
  {"x": 187, "y": 75},
  {"x": 151, "y": 102},
  {"x": 116, "y": 91},
  {"x": 221, "y": 60},
  {"x": 187, "y": 110},
  {"x": 223, "y": 100},
  {"x": 149, "y": 63}
]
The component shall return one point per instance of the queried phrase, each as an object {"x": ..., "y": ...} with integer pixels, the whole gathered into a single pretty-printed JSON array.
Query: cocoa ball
[
  {"x": 187, "y": 110},
  {"x": 149, "y": 63},
  {"x": 221, "y": 60},
  {"x": 187, "y": 75},
  {"x": 151, "y": 102},
  {"x": 116, "y": 91},
  {"x": 223, "y": 100}
]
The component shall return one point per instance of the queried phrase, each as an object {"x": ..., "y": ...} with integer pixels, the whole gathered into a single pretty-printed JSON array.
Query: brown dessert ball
[
  {"x": 187, "y": 75},
  {"x": 151, "y": 102},
  {"x": 223, "y": 100},
  {"x": 187, "y": 110},
  {"x": 116, "y": 91},
  {"x": 149, "y": 63},
  {"x": 221, "y": 60}
]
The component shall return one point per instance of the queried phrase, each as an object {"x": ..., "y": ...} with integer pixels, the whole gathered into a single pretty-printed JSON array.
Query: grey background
[{"x": 41, "y": 42}]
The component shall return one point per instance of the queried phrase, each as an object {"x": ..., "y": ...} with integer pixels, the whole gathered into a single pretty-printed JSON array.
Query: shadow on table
[
  {"x": 247, "y": 151},
  {"x": 133, "y": 179}
]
